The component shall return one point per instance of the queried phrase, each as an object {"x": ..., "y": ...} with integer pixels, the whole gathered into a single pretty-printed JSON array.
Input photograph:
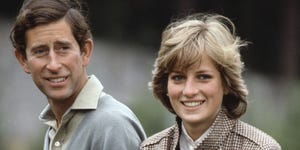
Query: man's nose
[{"x": 53, "y": 62}]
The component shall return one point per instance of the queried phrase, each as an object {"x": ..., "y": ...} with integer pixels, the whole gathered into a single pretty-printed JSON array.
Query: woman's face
[{"x": 196, "y": 94}]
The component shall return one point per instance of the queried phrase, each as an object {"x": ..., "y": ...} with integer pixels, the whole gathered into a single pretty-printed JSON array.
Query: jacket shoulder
[
  {"x": 159, "y": 139},
  {"x": 257, "y": 136}
]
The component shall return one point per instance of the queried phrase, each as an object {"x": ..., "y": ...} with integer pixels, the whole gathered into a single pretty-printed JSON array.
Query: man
[{"x": 53, "y": 44}]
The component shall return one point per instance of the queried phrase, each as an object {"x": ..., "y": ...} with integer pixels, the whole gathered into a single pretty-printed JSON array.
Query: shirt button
[{"x": 57, "y": 144}]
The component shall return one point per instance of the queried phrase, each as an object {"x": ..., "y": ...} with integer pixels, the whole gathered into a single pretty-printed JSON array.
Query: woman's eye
[
  {"x": 204, "y": 76},
  {"x": 177, "y": 77}
]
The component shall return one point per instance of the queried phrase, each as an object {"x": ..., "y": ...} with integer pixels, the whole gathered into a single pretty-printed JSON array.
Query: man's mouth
[{"x": 57, "y": 80}]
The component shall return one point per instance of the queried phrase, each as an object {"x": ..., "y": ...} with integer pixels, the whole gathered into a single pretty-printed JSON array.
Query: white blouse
[{"x": 187, "y": 143}]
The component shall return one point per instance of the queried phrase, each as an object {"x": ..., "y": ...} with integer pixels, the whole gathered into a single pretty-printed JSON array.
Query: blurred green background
[{"x": 127, "y": 37}]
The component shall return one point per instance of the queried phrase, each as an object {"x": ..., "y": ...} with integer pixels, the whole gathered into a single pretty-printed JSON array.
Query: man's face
[{"x": 55, "y": 62}]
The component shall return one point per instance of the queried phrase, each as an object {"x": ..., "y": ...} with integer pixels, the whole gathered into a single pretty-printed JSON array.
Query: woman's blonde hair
[{"x": 183, "y": 44}]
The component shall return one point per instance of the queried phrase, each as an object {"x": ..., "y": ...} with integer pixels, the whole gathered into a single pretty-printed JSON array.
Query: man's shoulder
[
  {"x": 111, "y": 110},
  {"x": 256, "y": 136},
  {"x": 108, "y": 102},
  {"x": 112, "y": 115},
  {"x": 111, "y": 126}
]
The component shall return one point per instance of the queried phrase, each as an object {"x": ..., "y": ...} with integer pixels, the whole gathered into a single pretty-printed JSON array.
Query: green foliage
[
  {"x": 2, "y": 135},
  {"x": 291, "y": 135},
  {"x": 38, "y": 141},
  {"x": 153, "y": 116},
  {"x": 277, "y": 114}
]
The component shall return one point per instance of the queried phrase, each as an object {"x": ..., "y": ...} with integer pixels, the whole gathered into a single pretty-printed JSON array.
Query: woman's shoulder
[
  {"x": 256, "y": 136},
  {"x": 161, "y": 139}
]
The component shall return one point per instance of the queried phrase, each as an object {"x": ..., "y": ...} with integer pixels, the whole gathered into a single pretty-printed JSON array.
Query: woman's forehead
[{"x": 184, "y": 64}]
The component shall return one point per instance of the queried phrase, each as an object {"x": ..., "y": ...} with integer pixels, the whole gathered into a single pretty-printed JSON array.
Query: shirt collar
[
  {"x": 186, "y": 142},
  {"x": 89, "y": 95},
  {"x": 86, "y": 99}
]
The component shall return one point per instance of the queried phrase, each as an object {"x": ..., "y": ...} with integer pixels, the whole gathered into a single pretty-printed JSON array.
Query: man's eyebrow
[
  {"x": 38, "y": 46},
  {"x": 62, "y": 43}
]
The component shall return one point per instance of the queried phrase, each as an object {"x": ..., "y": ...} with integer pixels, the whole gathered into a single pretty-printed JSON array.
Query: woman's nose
[{"x": 190, "y": 89}]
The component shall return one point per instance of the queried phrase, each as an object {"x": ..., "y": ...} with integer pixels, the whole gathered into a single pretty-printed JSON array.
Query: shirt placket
[{"x": 59, "y": 142}]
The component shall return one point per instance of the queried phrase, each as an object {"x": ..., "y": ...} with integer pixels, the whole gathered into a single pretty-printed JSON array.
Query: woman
[{"x": 197, "y": 77}]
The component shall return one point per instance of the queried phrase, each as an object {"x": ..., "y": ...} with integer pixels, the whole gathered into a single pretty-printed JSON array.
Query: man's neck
[{"x": 59, "y": 109}]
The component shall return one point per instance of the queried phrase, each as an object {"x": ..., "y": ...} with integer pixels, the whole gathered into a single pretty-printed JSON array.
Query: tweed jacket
[{"x": 225, "y": 134}]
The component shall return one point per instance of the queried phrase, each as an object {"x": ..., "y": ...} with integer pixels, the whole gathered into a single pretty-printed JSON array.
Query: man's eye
[
  {"x": 63, "y": 48},
  {"x": 39, "y": 52}
]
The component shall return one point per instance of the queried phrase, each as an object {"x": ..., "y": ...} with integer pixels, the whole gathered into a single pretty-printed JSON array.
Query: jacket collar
[{"x": 220, "y": 129}]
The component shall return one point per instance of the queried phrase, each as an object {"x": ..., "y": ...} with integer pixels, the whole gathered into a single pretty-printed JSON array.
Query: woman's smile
[{"x": 192, "y": 103}]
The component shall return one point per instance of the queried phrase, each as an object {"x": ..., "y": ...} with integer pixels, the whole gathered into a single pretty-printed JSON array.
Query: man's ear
[
  {"x": 22, "y": 61},
  {"x": 87, "y": 52}
]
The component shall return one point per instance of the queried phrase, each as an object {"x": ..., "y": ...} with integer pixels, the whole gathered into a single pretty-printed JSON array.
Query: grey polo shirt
[{"x": 58, "y": 138}]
